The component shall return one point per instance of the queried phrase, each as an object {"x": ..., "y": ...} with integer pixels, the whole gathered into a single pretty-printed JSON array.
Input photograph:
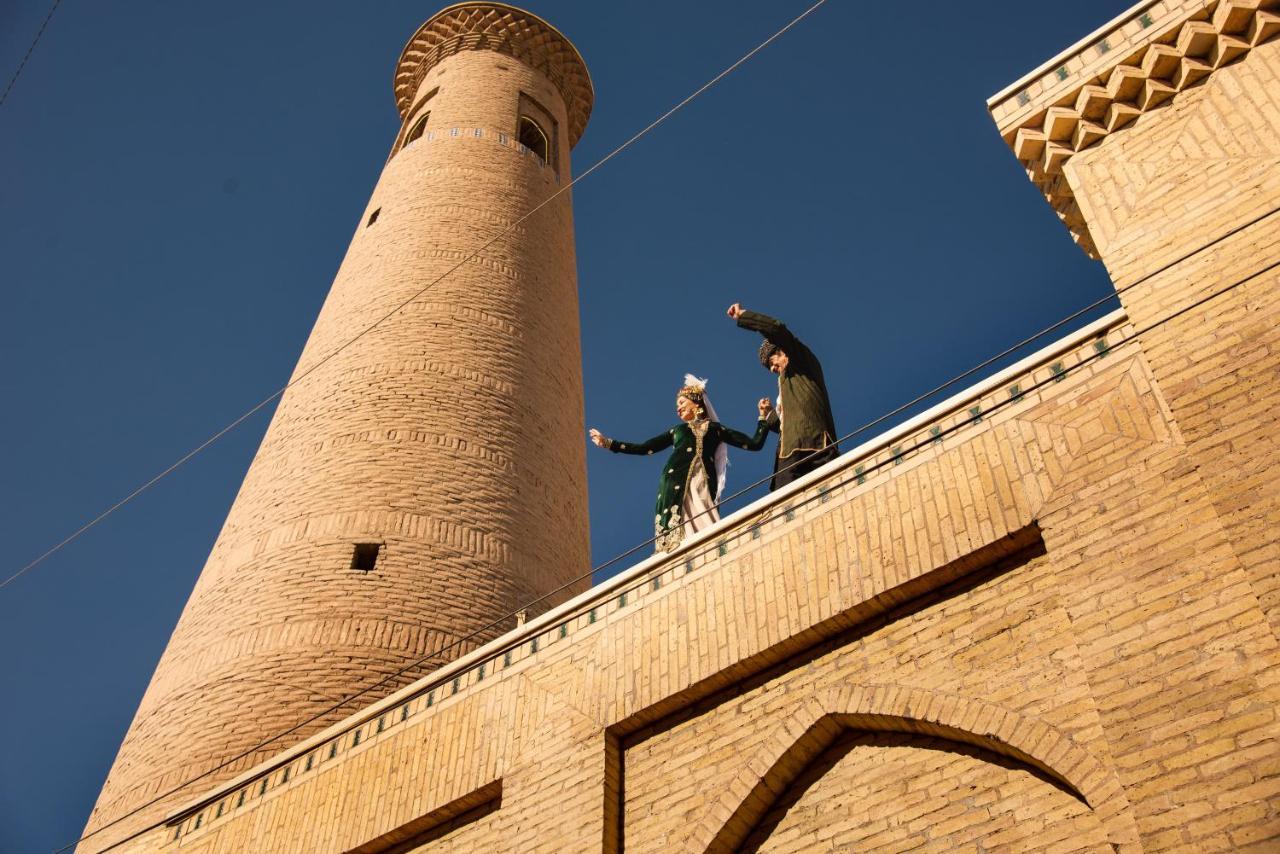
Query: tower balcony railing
[{"x": 864, "y": 467}]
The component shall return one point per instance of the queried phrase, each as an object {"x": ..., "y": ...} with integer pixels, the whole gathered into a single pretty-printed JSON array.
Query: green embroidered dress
[{"x": 689, "y": 472}]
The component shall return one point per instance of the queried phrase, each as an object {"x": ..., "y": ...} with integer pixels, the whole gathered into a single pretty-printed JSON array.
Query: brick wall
[
  {"x": 1027, "y": 631},
  {"x": 1034, "y": 618},
  {"x": 1184, "y": 203}
]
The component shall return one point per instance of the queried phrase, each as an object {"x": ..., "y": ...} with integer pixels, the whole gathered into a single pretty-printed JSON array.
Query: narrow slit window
[
  {"x": 534, "y": 138},
  {"x": 373, "y": 217},
  {"x": 365, "y": 556},
  {"x": 419, "y": 128}
]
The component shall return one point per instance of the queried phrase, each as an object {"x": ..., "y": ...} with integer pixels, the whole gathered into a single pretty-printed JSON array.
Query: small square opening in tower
[{"x": 365, "y": 556}]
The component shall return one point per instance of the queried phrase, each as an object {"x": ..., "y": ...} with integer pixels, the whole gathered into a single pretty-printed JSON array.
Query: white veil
[{"x": 722, "y": 452}]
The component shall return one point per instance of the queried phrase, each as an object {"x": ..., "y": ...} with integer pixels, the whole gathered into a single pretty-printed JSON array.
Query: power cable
[
  {"x": 749, "y": 487},
  {"x": 310, "y": 370},
  {"x": 34, "y": 42}
]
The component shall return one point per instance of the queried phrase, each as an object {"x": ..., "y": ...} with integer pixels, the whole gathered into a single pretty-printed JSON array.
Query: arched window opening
[
  {"x": 418, "y": 129},
  {"x": 534, "y": 138}
]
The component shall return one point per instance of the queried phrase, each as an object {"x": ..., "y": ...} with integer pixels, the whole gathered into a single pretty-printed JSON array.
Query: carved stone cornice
[
  {"x": 1136, "y": 63},
  {"x": 505, "y": 29}
]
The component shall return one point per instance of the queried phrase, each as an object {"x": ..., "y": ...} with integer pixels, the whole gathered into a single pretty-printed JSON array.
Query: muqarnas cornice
[
  {"x": 504, "y": 29},
  {"x": 1136, "y": 63}
]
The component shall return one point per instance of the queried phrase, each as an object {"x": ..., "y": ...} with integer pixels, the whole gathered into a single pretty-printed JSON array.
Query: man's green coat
[{"x": 806, "y": 420}]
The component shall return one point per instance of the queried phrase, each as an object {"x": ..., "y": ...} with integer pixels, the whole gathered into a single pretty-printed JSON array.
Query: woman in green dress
[{"x": 694, "y": 475}]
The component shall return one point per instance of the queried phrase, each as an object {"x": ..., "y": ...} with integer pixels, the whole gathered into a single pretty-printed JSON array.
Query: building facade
[{"x": 1041, "y": 616}]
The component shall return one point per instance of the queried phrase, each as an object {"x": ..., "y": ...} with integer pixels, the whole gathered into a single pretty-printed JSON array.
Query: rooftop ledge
[
  {"x": 952, "y": 415},
  {"x": 1135, "y": 63}
]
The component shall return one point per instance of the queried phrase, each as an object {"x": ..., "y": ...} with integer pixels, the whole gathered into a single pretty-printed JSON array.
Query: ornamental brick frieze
[{"x": 1132, "y": 66}]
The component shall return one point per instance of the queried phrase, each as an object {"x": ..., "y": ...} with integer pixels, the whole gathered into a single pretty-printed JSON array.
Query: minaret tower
[{"x": 428, "y": 478}]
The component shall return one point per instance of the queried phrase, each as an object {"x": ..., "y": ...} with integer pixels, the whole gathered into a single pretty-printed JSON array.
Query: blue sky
[{"x": 180, "y": 181}]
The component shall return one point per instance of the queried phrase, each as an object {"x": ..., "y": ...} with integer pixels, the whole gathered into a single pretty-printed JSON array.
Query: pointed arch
[{"x": 810, "y": 730}]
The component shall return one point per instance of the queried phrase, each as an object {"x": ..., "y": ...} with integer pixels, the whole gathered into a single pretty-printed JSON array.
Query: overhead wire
[
  {"x": 739, "y": 493},
  {"x": 565, "y": 188},
  {"x": 23, "y": 64},
  {"x": 359, "y": 335}
]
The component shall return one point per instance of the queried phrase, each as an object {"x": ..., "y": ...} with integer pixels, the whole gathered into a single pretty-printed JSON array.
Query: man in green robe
[{"x": 803, "y": 419}]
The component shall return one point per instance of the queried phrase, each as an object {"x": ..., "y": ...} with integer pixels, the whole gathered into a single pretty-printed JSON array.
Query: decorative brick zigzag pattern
[{"x": 1146, "y": 79}]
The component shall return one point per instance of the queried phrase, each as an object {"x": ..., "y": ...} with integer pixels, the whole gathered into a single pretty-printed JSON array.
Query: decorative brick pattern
[
  {"x": 1185, "y": 203},
  {"x": 1152, "y": 54},
  {"x": 450, "y": 436},
  {"x": 1070, "y": 671},
  {"x": 1039, "y": 617}
]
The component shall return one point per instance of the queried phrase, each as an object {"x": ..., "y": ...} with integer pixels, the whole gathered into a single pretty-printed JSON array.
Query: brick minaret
[{"x": 449, "y": 440}]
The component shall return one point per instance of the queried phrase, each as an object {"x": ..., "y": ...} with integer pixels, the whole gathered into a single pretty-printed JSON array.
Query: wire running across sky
[
  {"x": 91, "y": 523},
  {"x": 23, "y": 64}
]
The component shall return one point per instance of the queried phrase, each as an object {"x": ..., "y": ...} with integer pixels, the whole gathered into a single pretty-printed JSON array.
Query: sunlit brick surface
[
  {"x": 1040, "y": 617},
  {"x": 1032, "y": 635},
  {"x": 452, "y": 435}
]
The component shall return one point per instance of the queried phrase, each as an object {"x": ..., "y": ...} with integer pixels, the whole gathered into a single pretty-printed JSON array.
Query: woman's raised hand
[
  {"x": 765, "y": 406},
  {"x": 598, "y": 438}
]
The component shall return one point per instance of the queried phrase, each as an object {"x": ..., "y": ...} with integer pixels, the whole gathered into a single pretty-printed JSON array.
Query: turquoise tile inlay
[
  {"x": 333, "y": 750},
  {"x": 591, "y": 616},
  {"x": 1144, "y": 20},
  {"x": 310, "y": 761},
  {"x": 480, "y": 672},
  {"x": 1101, "y": 347},
  {"x": 284, "y": 776},
  {"x": 431, "y": 698},
  {"x": 564, "y": 629},
  {"x": 457, "y": 683},
  {"x": 240, "y": 800},
  {"x": 975, "y": 414},
  {"x": 1104, "y": 47},
  {"x": 1015, "y": 392},
  {"x": 722, "y": 548},
  {"x": 221, "y": 806},
  {"x": 657, "y": 582},
  {"x": 791, "y": 514},
  {"x": 1061, "y": 72},
  {"x": 506, "y": 659},
  {"x": 262, "y": 790},
  {"x": 355, "y": 738},
  {"x": 533, "y": 646},
  {"x": 936, "y": 432},
  {"x": 199, "y": 821},
  {"x": 622, "y": 600},
  {"x": 1059, "y": 372},
  {"x": 1024, "y": 98},
  {"x": 860, "y": 471},
  {"x": 404, "y": 712},
  {"x": 897, "y": 456}
]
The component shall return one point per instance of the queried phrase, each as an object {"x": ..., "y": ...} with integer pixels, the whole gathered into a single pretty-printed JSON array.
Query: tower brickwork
[
  {"x": 1035, "y": 617},
  {"x": 421, "y": 482}
]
